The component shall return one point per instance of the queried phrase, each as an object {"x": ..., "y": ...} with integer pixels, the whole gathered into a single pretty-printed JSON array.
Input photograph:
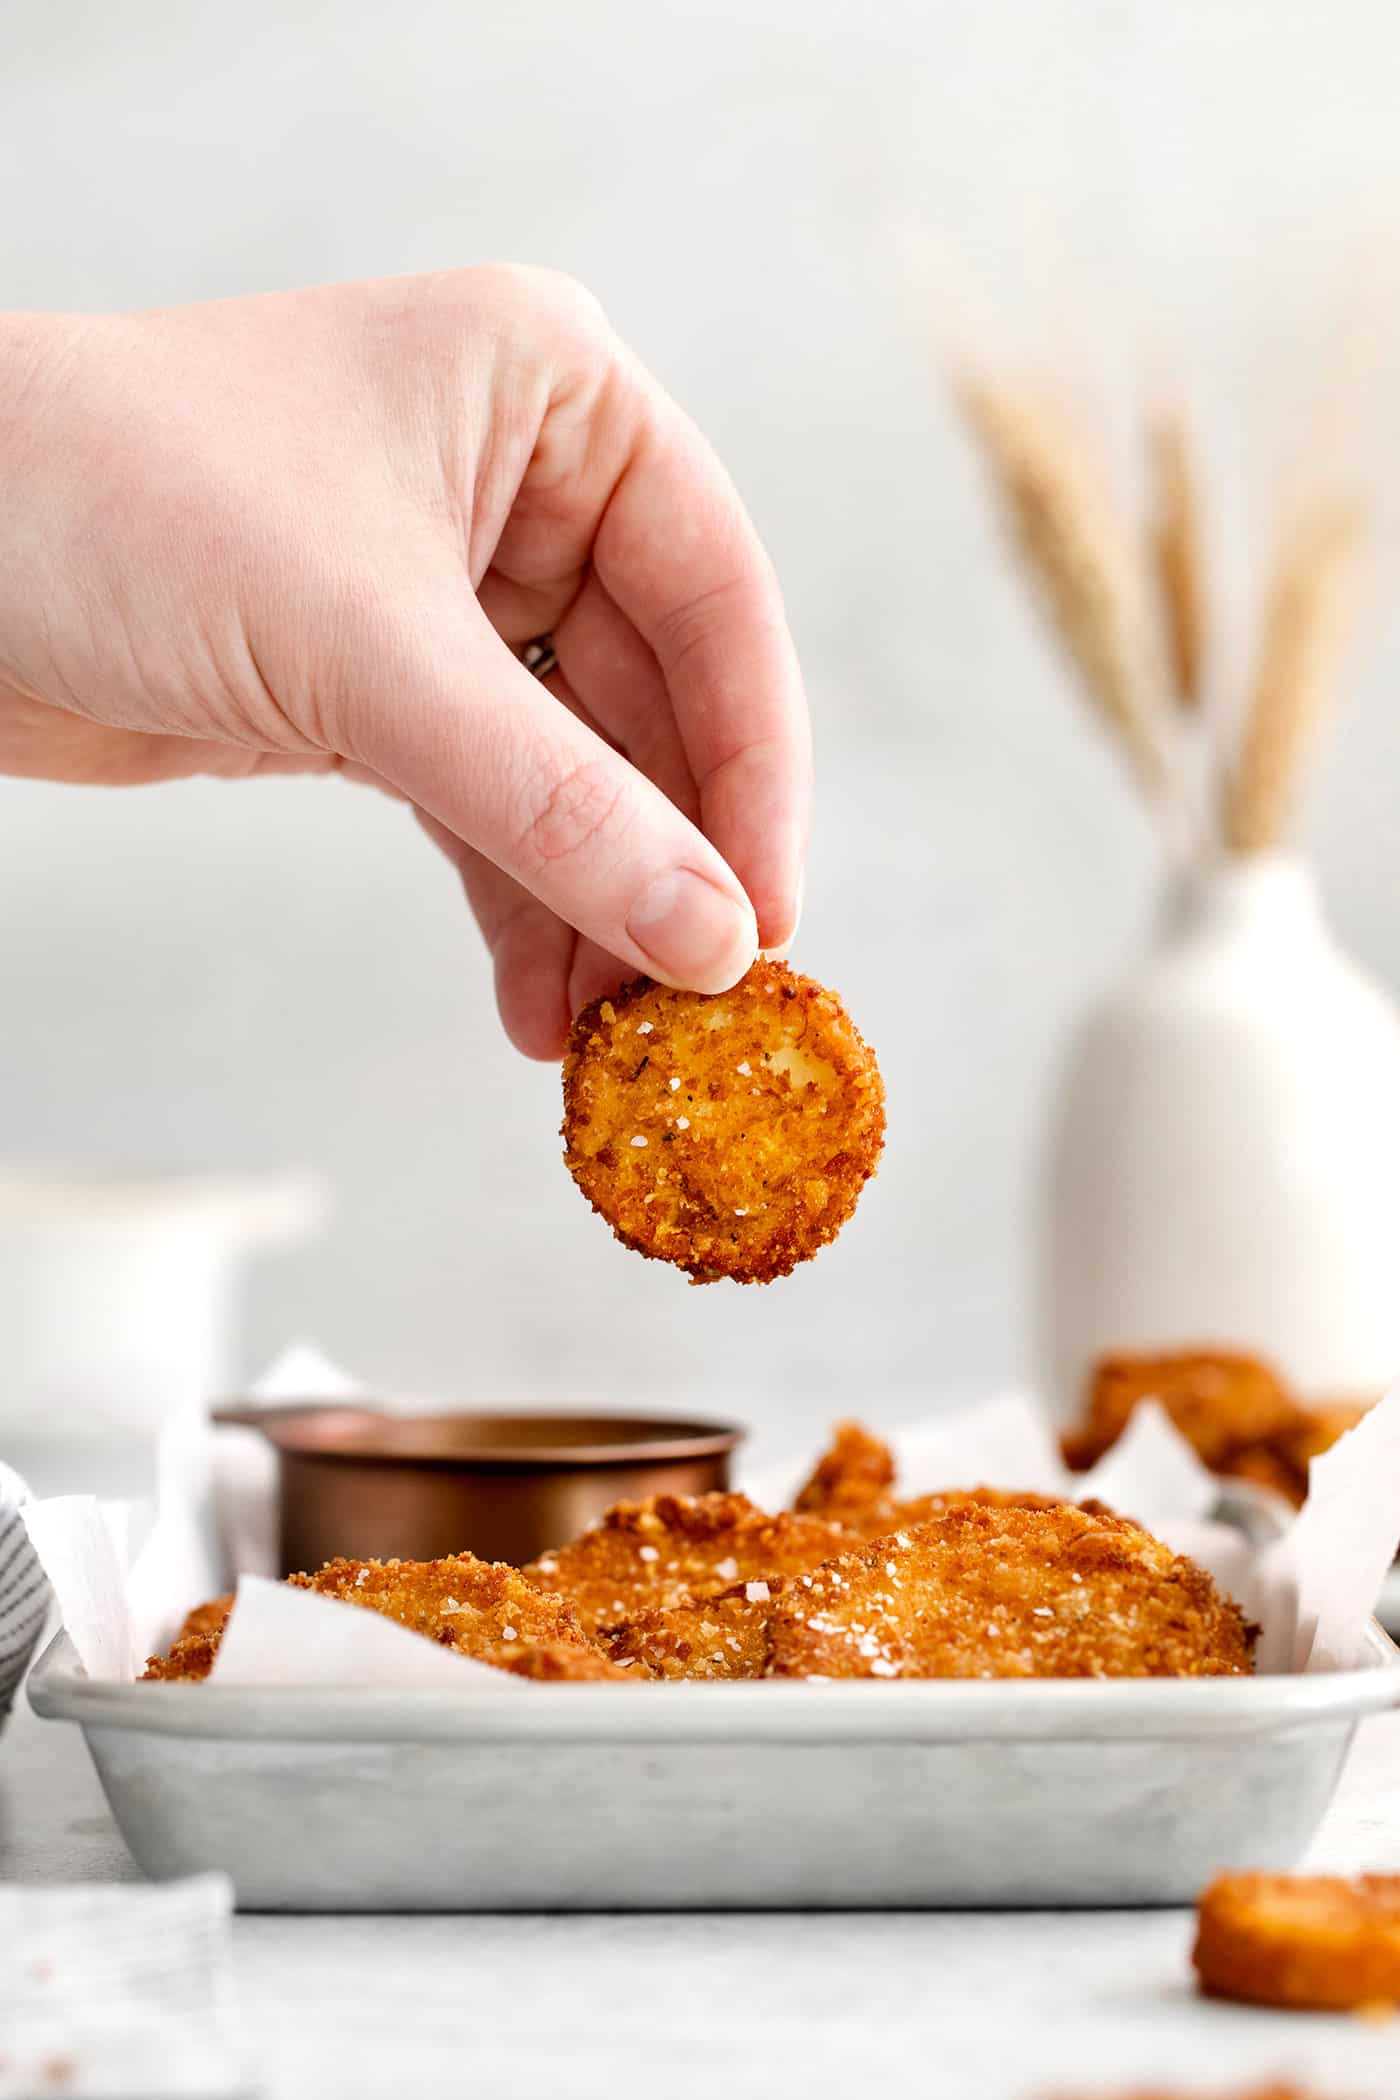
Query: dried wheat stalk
[
  {"x": 1178, "y": 548},
  {"x": 1083, "y": 561},
  {"x": 1309, "y": 620}
]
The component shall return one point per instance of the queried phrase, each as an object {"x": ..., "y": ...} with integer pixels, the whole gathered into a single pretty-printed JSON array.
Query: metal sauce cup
[{"x": 358, "y": 1482}]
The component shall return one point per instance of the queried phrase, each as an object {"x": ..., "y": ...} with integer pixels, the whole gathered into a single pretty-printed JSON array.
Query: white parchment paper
[
  {"x": 277, "y": 1635},
  {"x": 1312, "y": 1590}
]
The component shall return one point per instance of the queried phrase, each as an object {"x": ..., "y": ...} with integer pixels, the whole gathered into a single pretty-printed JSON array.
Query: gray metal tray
[{"x": 719, "y": 1796}]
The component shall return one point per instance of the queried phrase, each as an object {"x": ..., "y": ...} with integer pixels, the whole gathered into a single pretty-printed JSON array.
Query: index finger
[{"x": 677, "y": 552}]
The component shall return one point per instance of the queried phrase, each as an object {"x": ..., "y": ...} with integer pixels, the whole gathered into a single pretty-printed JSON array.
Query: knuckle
[
  {"x": 575, "y": 815},
  {"x": 686, "y": 627},
  {"x": 542, "y": 293}
]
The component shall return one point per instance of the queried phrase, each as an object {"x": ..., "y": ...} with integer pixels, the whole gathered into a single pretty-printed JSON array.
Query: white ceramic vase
[{"x": 1225, "y": 1161}]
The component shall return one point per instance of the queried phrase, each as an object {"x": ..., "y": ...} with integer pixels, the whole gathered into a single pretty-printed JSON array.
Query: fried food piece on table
[
  {"x": 980, "y": 1590},
  {"x": 481, "y": 1608},
  {"x": 646, "y": 1556},
  {"x": 1219, "y": 1399},
  {"x": 1315, "y": 1942},
  {"x": 730, "y": 1134}
]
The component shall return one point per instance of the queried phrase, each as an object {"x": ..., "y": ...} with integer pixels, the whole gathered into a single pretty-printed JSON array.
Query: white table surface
[{"x": 961, "y": 2006}]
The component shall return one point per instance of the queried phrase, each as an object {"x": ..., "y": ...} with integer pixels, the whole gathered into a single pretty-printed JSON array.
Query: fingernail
[
  {"x": 780, "y": 951},
  {"x": 692, "y": 933}
]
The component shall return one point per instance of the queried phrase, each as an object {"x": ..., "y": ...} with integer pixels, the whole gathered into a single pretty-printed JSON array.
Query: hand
[{"x": 310, "y": 532}]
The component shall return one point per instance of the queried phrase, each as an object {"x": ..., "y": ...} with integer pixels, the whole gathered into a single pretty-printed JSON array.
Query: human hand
[{"x": 309, "y": 532}]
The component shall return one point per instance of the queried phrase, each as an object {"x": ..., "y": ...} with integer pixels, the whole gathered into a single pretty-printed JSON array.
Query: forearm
[{"x": 45, "y": 468}]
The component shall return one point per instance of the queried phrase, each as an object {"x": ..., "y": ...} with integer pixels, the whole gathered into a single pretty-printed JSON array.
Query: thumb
[{"x": 479, "y": 744}]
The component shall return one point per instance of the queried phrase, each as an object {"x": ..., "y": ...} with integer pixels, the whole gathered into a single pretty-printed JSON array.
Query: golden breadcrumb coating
[
  {"x": 1318, "y": 1432},
  {"x": 987, "y": 1590},
  {"x": 903, "y": 1513},
  {"x": 190, "y": 1656},
  {"x": 210, "y": 1617},
  {"x": 645, "y": 1556},
  {"x": 1282, "y": 1461},
  {"x": 1218, "y": 1399},
  {"x": 481, "y": 1608},
  {"x": 730, "y": 1134},
  {"x": 1314, "y": 1942},
  {"x": 974, "y": 1582},
  {"x": 1325, "y": 1421},
  {"x": 460, "y": 1602},
  {"x": 1234, "y": 1410},
  {"x": 854, "y": 1475},
  {"x": 854, "y": 1483},
  {"x": 558, "y": 1662},
  {"x": 978, "y": 1591},
  {"x": 705, "y": 1638},
  {"x": 194, "y": 1647}
]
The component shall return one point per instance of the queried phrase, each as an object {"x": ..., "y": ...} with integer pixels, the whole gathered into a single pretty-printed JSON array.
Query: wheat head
[
  {"x": 1085, "y": 565},
  {"x": 1310, "y": 615},
  {"x": 1178, "y": 548}
]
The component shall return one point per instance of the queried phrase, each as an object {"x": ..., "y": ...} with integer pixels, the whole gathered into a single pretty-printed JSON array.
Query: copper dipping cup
[{"x": 358, "y": 1482}]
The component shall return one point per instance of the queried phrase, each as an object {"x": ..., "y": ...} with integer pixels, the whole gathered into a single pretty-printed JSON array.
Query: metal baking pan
[{"x": 945, "y": 1794}]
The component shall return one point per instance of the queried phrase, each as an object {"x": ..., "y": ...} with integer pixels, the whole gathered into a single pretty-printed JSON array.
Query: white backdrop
[{"x": 233, "y": 975}]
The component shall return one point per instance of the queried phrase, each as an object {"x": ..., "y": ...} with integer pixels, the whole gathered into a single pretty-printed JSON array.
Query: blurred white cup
[{"x": 119, "y": 1298}]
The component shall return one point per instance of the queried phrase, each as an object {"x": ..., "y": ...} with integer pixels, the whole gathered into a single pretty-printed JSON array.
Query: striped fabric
[{"x": 24, "y": 1591}]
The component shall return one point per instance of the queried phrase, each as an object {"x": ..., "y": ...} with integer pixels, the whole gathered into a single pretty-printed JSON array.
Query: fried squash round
[
  {"x": 986, "y": 1590},
  {"x": 483, "y": 1609},
  {"x": 1219, "y": 1399},
  {"x": 648, "y": 1556},
  {"x": 854, "y": 1484},
  {"x": 729, "y": 1134},
  {"x": 1312, "y": 1942}
]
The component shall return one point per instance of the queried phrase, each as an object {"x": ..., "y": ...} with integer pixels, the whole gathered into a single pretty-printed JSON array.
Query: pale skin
[{"x": 309, "y": 533}]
